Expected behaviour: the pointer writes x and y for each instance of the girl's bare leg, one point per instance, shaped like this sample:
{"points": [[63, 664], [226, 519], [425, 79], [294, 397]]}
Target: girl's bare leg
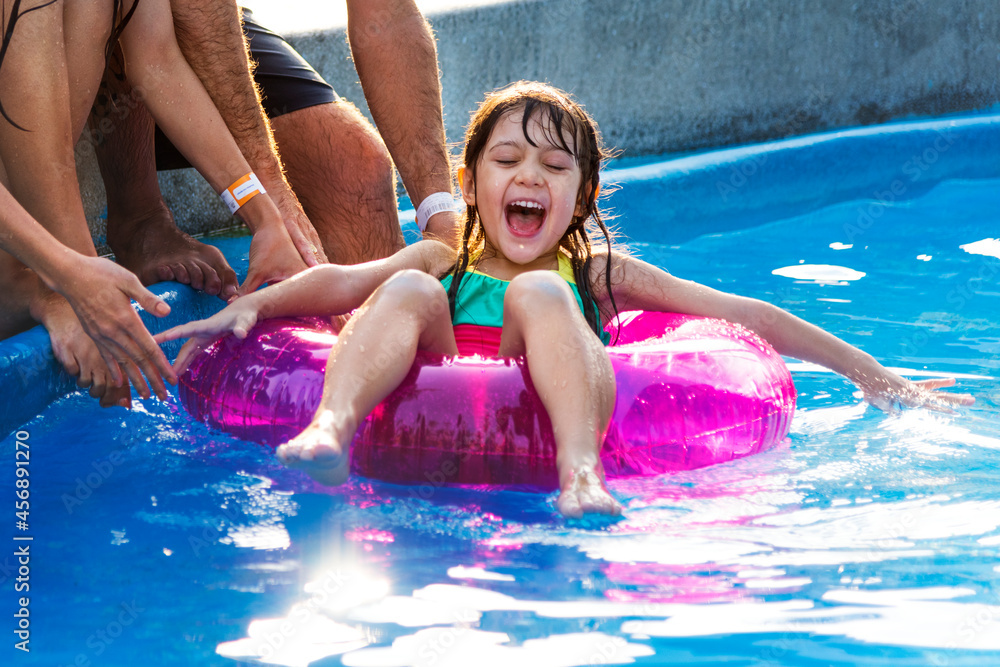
{"points": [[574, 379], [373, 354]]}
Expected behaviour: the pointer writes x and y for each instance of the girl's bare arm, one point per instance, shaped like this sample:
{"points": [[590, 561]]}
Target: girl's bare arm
{"points": [[333, 289], [325, 290], [638, 285]]}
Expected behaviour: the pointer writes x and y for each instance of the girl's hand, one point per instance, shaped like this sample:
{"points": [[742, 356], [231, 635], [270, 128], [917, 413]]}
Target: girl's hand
{"points": [[236, 318], [893, 392]]}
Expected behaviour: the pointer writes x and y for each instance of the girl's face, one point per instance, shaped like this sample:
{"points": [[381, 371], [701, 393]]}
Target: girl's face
{"points": [[526, 195]]}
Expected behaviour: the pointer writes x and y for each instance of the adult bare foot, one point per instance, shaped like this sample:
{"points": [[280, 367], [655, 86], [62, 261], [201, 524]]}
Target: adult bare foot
{"points": [[78, 354], [582, 490], [322, 450], [153, 248]]}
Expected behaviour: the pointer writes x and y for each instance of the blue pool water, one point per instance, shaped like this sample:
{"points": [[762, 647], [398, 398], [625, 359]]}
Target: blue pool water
{"points": [[867, 539]]}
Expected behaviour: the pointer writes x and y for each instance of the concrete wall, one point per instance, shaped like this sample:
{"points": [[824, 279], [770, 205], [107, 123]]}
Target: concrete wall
{"points": [[683, 75]]}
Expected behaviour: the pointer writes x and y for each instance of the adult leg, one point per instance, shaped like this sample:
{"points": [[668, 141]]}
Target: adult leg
{"points": [[141, 229], [87, 26], [334, 159], [574, 379], [342, 174], [372, 355], [35, 86], [37, 90], [19, 286]]}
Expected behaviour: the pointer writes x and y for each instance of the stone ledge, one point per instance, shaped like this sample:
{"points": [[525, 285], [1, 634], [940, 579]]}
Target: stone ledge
{"points": [[668, 76]]}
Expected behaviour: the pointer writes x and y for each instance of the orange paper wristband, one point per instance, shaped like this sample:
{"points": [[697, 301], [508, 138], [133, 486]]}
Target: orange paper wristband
{"points": [[242, 191]]}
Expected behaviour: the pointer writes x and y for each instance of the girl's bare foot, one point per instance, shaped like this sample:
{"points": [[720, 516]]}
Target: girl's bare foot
{"points": [[322, 450], [582, 490]]}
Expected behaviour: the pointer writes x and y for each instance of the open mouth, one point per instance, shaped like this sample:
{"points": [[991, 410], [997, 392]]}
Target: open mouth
{"points": [[525, 218]]}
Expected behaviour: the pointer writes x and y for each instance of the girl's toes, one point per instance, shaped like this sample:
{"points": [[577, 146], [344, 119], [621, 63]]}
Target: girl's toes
{"points": [[288, 453], [569, 506]]}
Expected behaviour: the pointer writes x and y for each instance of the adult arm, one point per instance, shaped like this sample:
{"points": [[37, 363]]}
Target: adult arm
{"points": [[396, 59], [639, 285], [186, 114], [210, 36], [99, 292]]}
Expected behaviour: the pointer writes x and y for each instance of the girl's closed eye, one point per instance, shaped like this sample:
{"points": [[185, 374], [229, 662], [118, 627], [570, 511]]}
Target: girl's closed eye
{"points": [[558, 160], [505, 156]]}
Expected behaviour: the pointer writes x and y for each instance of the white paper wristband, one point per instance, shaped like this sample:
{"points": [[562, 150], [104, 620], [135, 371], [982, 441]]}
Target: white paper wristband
{"points": [[433, 204]]}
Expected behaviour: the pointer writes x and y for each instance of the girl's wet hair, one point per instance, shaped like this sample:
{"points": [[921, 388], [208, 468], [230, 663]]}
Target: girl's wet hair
{"points": [[565, 125], [119, 19]]}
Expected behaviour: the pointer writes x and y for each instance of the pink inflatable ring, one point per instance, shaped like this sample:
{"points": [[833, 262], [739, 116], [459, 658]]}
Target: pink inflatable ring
{"points": [[691, 392]]}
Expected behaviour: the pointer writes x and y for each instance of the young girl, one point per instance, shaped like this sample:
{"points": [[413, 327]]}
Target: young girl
{"points": [[526, 281]]}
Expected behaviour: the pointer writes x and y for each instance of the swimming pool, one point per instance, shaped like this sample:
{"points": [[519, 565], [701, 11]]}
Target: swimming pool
{"points": [[867, 539]]}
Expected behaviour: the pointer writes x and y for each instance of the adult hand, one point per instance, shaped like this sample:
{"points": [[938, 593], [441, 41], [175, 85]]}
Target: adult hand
{"points": [[78, 353], [99, 292], [300, 229], [272, 259]]}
